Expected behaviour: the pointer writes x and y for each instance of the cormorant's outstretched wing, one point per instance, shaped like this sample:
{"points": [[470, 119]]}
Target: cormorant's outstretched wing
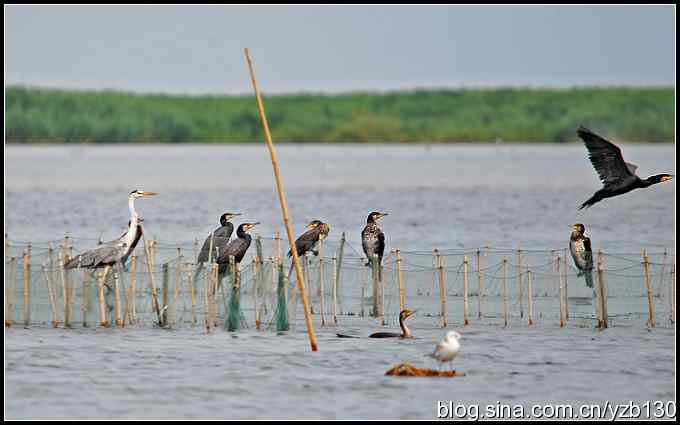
{"points": [[306, 241], [606, 157]]}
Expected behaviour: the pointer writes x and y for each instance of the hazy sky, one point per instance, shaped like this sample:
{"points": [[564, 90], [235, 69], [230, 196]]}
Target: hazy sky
{"points": [[199, 49]]}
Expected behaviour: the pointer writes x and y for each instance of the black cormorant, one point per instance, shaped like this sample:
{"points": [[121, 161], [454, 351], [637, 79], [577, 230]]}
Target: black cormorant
{"points": [[373, 238], [405, 331], [618, 176], [118, 250], [582, 252], [220, 239], [317, 231], [236, 247]]}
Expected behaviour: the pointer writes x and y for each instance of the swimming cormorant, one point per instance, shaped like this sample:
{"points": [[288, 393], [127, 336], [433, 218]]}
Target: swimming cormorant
{"points": [[118, 250], [220, 239], [618, 176], [582, 252], [373, 238], [405, 331]]}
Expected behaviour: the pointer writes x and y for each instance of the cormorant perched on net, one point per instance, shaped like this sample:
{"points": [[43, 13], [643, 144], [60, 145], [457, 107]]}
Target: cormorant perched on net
{"points": [[308, 241], [373, 239], [236, 248], [582, 252], [118, 250], [618, 176], [220, 239]]}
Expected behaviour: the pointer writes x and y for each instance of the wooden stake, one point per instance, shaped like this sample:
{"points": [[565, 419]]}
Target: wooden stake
{"points": [[9, 292], [673, 291], [561, 292], [335, 291], [466, 306], [322, 295], [530, 296], [27, 287], [102, 303], [150, 268], [566, 286], [376, 286], [192, 293], [480, 293], [442, 291], [51, 298], [400, 280], [118, 311], [133, 289], [284, 207], [650, 293], [341, 252], [85, 305], [600, 293], [519, 283], [505, 292]]}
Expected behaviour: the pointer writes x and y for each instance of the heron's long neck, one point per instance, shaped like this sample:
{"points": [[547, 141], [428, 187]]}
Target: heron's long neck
{"points": [[134, 221]]}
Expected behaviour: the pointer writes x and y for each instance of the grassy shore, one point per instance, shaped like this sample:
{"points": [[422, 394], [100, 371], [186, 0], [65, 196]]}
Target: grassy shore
{"points": [[36, 115]]}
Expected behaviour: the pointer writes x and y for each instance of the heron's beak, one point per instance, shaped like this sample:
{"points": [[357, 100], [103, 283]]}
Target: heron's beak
{"points": [[666, 178], [148, 194]]}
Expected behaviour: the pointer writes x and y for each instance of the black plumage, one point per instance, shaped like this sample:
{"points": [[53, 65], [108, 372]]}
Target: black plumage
{"points": [[618, 176], [318, 230], [235, 248], [582, 252], [220, 238]]}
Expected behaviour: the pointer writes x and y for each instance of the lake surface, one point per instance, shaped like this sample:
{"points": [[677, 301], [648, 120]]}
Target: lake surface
{"points": [[437, 196]]}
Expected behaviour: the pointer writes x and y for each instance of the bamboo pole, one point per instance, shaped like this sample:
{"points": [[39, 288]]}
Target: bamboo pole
{"points": [[164, 293], [364, 279], [150, 268], [335, 291], [254, 266], [305, 269], [466, 306], [341, 252], [400, 281], [479, 286], [178, 285], [561, 292], [102, 304], [505, 292], [322, 295], [442, 291], [9, 292], [27, 287], [650, 293], [566, 286], [600, 293], [519, 283], [284, 207], [192, 293], [118, 311], [65, 292], [133, 289], [673, 291], [530, 296], [50, 297], [376, 294], [85, 299]]}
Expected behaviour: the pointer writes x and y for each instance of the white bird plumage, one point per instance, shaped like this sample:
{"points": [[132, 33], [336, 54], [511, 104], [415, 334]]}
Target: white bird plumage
{"points": [[447, 349]]}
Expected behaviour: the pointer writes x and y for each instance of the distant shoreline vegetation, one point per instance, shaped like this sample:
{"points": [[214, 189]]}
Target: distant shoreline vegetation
{"points": [[633, 114]]}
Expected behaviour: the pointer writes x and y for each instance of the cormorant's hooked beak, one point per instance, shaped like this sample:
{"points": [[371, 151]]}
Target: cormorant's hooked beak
{"points": [[409, 313], [666, 178], [382, 215], [312, 225], [232, 215]]}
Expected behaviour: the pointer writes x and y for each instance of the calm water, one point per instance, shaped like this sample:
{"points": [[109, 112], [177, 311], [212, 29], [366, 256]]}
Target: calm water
{"points": [[439, 196]]}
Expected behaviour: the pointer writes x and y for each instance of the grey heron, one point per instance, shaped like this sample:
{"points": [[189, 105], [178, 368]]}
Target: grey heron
{"points": [[118, 250]]}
